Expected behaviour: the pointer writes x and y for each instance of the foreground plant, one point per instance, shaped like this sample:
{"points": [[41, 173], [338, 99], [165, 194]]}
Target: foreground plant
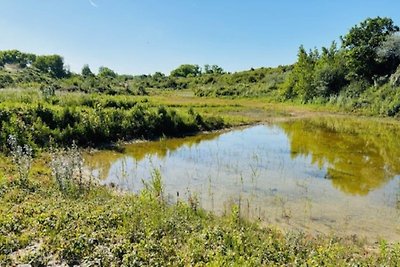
{"points": [[109, 229], [22, 157], [67, 170]]}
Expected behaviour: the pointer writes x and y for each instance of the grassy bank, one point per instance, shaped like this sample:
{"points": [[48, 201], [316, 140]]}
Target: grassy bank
{"points": [[91, 119], [40, 225]]}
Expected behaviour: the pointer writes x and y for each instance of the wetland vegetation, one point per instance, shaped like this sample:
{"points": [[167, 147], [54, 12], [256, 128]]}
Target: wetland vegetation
{"points": [[305, 184]]}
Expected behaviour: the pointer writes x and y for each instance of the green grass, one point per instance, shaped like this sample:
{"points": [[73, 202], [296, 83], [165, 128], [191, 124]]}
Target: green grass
{"points": [[101, 226], [92, 119], [39, 225]]}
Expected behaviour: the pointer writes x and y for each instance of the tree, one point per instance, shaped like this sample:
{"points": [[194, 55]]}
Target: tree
{"points": [[214, 69], [86, 72], [361, 44], [158, 76], [186, 70], [388, 53], [53, 64], [330, 72], [300, 81], [16, 57], [105, 72]]}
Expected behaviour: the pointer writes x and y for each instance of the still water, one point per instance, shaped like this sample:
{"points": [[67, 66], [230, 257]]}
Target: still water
{"points": [[322, 175]]}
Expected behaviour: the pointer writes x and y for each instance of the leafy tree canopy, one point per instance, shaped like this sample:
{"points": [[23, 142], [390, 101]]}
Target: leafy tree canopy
{"points": [[214, 69], [186, 70], [361, 44], [53, 64], [16, 57], [86, 71], [389, 53], [105, 72]]}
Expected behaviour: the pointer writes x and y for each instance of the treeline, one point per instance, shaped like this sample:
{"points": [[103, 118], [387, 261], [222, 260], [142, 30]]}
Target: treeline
{"points": [[51, 64], [360, 74], [369, 55], [48, 73]]}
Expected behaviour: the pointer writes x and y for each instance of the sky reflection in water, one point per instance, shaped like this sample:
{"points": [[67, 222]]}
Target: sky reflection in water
{"points": [[319, 175]]}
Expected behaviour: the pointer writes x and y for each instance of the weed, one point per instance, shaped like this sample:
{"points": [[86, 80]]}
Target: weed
{"points": [[67, 170], [193, 201], [155, 186], [22, 158]]}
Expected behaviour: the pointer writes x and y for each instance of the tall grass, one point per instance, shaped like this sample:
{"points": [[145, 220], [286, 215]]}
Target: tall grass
{"points": [[155, 186]]}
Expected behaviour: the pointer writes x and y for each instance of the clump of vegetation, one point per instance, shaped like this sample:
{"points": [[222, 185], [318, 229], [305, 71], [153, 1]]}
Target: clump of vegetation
{"points": [[155, 186], [22, 158], [360, 75], [93, 121], [67, 170]]}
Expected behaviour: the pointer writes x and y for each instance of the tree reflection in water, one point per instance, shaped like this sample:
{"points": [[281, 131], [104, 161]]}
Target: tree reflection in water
{"points": [[361, 154]]}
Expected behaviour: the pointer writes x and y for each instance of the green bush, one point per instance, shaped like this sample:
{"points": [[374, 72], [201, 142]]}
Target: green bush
{"points": [[98, 121]]}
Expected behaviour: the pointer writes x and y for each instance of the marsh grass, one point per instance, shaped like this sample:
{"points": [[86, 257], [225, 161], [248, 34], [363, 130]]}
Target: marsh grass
{"points": [[155, 186]]}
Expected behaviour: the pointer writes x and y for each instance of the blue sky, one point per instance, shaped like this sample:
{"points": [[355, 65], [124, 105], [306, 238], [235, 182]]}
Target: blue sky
{"points": [[141, 37]]}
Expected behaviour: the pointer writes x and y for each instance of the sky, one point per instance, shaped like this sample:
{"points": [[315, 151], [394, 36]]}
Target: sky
{"points": [[142, 37]]}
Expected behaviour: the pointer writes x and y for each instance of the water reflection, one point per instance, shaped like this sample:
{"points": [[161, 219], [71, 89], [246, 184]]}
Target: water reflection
{"points": [[103, 160], [322, 175], [361, 155]]}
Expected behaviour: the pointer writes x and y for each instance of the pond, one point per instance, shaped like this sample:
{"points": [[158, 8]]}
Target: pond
{"points": [[331, 175]]}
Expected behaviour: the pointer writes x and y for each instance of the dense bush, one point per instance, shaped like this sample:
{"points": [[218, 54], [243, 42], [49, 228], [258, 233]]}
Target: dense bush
{"points": [[95, 123], [16, 57], [186, 70], [5, 80], [361, 45], [360, 76], [252, 83]]}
